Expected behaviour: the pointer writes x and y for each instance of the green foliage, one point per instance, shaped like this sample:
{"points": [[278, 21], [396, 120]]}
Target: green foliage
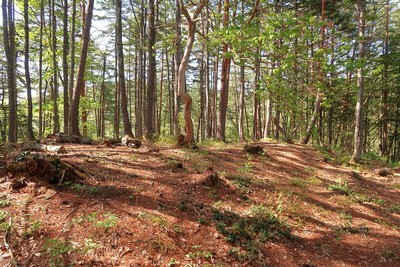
{"points": [[5, 203], [55, 249], [341, 188], [4, 226], [33, 228], [243, 183], [250, 231], [199, 254], [104, 221]]}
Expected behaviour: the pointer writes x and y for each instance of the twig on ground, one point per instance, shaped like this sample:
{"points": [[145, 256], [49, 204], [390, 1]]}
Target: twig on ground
{"points": [[7, 245]]}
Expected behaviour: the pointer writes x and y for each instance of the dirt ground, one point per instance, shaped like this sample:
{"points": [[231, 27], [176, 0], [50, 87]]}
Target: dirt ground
{"points": [[157, 206]]}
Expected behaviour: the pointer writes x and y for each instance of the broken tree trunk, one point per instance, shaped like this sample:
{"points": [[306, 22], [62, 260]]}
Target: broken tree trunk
{"points": [[74, 139]]}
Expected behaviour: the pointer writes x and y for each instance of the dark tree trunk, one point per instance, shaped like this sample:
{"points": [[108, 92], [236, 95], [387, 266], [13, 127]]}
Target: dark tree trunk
{"points": [[226, 63], [65, 65], [56, 121], [152, 73]]}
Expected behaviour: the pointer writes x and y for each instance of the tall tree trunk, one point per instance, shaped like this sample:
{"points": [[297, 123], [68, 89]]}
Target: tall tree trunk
{"points": [[358, 130], [72, 53], [56, 121], [31, 136], [40, 89], [83, 91], [185, 97], [152, 73], [241, 104], [121, 72], [384, 131], [80, 82], [9, 49], [178, 59], [226, 62], [65, 65]]}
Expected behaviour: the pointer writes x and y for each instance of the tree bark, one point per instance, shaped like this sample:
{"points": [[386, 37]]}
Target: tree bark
{"points": [[80, 82], [9, 49]]}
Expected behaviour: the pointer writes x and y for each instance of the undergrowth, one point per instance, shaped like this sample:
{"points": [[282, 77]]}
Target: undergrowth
{"points": [[250, 231]]}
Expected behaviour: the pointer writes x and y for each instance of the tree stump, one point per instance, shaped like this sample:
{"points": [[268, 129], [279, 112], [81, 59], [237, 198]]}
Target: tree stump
{"points": [[252, 149], [210, 178]]}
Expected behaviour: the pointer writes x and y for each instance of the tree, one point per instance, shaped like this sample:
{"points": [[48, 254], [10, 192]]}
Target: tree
{"points": [[185, 97], [9, 50], [65, 65], [226, 63], [80, 82], [121, 72], [29, 125], [152, 73], [358, 129]]}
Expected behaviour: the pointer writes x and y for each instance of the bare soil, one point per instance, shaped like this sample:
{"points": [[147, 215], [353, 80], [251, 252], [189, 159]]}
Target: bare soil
{"points": [[153, 206]]}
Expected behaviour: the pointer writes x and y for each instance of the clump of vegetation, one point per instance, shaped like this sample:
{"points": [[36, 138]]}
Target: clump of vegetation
{"points": [[252, 230], [243, 183], [56, 249], [4, 202], [104, 221], [198, 255], [4, 226], [33, 228], [341, 188]]}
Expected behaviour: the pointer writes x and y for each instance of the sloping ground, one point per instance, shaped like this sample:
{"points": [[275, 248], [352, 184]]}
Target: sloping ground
{"points": [[154, 206]]}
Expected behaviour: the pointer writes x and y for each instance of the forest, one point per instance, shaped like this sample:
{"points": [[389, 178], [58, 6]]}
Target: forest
{"points": [[306, 71], [200, 133]]}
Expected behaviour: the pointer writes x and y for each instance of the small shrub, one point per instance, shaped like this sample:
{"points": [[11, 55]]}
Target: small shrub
{"points": [[341, 188], [5, 203], [56, 248], [252, 230]]}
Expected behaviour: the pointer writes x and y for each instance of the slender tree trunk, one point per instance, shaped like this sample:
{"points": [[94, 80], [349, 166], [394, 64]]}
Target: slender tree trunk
{"points": [[185, 97], [241, 104], [385, 93], [121, 72], [56, 121], [358, 130], [42, 23], [83, 91], [152, 73], [226, 62], [80, 82], [65, 65], [9, 49], [72, 53], [178, 59], [31, 136]]}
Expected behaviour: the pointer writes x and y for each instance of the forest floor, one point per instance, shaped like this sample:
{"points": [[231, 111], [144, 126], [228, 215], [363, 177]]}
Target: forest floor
{"points": [[292, 205]]}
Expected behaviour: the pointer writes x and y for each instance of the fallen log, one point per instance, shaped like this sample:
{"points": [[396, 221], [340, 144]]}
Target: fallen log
{"points": [[33, 146], [74, 139]]}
